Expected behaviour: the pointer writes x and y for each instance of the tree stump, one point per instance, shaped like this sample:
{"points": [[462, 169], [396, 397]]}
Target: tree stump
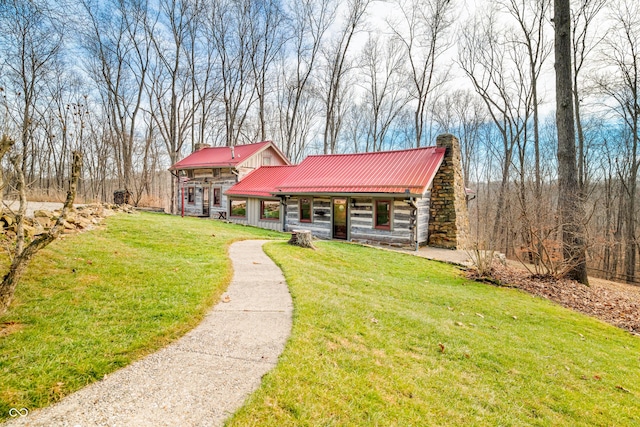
{"points": [[302, 238]]}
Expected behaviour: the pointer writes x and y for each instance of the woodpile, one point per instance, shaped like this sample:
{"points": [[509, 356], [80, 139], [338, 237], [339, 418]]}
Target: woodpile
{"points": [[84, 217], [302, 238]]}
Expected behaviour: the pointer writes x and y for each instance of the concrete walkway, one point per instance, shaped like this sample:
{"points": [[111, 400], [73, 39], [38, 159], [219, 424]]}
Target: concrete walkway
{"points": [[203, 378], [460, 257]]}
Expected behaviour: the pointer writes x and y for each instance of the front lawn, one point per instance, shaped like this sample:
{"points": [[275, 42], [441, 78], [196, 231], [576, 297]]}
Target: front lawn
{"points": [[94, 302], [389, 339]]}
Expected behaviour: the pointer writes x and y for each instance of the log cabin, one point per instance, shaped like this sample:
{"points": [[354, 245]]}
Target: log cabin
{"points": [[206, 174], [402, 198]]}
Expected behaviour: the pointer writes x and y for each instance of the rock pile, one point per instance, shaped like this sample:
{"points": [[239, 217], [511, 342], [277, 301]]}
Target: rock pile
{"points": [[82, 217]]}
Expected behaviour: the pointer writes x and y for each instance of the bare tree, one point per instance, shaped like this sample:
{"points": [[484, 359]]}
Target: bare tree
{"points": [[621, 84], [267, 40], [464, 114], [570, 203], [530, 17], [23, 252], [30, 43], [384, 96], [118, 49], [229, 29], [583, 44], [201, 59], [297, 109], [171, 86], [495, 69], [337, 66], [423, 31]]}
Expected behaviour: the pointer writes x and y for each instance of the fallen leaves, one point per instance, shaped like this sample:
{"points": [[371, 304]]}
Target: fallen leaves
{"points": [[8, 328], [619, 387]]}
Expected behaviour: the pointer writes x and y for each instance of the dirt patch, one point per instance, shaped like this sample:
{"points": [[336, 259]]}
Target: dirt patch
{"points": [[614, 303], [8, 328]]}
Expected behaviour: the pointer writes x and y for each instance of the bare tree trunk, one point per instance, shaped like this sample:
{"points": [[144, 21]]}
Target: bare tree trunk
{"points": [[24, 254], [569, 202], [6, 144]]}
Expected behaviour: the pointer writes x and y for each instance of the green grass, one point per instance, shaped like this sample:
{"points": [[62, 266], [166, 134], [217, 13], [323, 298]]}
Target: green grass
{"points": [[388, 339], [91, 303], [379, 338]]}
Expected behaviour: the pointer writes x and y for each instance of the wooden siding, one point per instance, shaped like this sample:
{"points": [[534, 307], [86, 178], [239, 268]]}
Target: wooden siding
{"points": [[423, 218], [361, 222], [191, 209], [320, 224], [257, 160], [253, 216], [225, 180]]}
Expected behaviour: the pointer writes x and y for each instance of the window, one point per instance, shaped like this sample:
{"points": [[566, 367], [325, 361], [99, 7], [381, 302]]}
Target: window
{"points": [[382, 214], [270, 209], [306, 207], [191, 198], [266, 161], [217, 199], [239, 208]]}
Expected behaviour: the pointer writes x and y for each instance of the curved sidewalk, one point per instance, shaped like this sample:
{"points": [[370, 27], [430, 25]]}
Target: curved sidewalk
{"points": [[205, 376]]}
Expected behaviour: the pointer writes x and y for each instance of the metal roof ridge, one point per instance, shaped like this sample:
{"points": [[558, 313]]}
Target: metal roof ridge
{"points": [[352, 186], [372, 152], [229, 146]]}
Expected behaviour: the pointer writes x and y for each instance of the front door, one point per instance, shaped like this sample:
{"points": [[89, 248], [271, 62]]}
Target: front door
{"points": [[340, 219], [205, 200]]}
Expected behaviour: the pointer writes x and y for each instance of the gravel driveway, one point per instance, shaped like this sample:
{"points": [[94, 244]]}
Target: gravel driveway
{"points": [[35, 206]]}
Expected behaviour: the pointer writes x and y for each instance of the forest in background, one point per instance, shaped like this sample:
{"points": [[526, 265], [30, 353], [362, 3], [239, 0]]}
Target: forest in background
{"points": [[135, 85]]}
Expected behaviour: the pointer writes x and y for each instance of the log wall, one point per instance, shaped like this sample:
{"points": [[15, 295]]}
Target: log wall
{"points": [[361, 222], [224, 181], [320, 225]]}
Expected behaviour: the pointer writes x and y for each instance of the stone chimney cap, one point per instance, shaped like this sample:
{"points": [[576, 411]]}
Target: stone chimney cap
{"points": [[199, 146]]}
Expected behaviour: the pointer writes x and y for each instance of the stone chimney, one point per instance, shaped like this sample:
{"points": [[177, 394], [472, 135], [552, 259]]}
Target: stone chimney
{"points": [[199, 146], [448, 215]]}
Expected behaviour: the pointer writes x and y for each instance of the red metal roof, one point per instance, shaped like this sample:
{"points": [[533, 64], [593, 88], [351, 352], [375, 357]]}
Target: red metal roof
{"points": [[380, 172], [220, 156], [262, 182]]}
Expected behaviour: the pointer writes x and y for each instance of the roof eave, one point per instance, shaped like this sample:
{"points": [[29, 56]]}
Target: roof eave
{"points": [[260, 195], [347, 194], [204, 166]]}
